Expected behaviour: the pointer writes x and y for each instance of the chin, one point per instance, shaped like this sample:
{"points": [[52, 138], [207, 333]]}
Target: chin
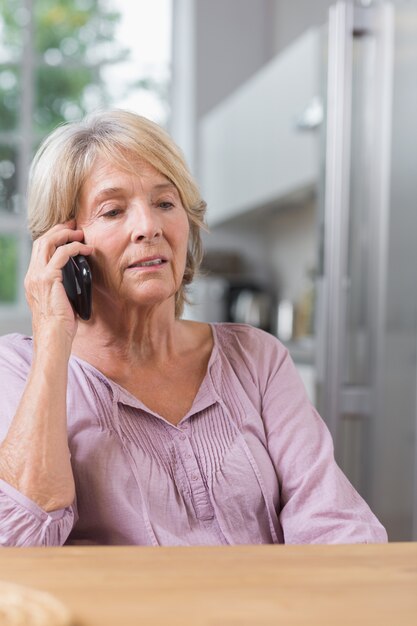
{"points": [[153, 298]]}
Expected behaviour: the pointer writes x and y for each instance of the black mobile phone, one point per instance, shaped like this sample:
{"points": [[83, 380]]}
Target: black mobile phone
{"points": [[76, 276]]}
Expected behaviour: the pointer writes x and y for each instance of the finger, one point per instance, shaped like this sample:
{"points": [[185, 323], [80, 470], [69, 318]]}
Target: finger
{"points": [[69, 224], [45, 246], [63, 253]]}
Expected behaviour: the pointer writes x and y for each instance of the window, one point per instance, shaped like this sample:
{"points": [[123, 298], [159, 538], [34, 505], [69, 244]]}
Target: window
{"points": [[60, 59]]}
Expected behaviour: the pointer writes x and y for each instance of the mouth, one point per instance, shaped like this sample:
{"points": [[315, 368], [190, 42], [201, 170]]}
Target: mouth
{"points": [[148, 262]]}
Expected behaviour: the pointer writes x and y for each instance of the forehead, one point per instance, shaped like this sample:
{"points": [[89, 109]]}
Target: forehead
{"points": [[103, 169]]}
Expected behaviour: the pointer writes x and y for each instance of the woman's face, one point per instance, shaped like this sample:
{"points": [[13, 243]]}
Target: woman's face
{"points": [[139, 230]]}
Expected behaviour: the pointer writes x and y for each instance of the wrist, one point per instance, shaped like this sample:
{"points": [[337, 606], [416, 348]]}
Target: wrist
{"points": [[50, 337]]}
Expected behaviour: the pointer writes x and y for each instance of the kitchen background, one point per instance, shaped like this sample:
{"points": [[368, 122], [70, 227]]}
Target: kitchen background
{"points": [[298, 118]]}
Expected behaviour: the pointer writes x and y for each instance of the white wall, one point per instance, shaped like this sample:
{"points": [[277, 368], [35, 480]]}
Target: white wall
{"points": [[219, 44], [293, 17], [233, 39]]}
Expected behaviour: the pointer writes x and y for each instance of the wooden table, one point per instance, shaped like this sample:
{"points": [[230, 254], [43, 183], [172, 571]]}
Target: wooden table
{"points": [[225, 586]]}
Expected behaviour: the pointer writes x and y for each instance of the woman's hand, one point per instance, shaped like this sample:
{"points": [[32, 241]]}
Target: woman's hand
{"points": [[44, 288], [34, 456]]}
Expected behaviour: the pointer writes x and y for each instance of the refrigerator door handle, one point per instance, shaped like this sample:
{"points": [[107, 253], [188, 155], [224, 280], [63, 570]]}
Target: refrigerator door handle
{"points": [[356, 400], [347, 22], [336, 224]]}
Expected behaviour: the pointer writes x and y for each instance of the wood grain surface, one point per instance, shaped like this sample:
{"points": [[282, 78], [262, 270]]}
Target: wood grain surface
{"points": [[225, 586]]}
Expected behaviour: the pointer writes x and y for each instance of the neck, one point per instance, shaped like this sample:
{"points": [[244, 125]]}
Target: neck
{"points": [[128, 338]]}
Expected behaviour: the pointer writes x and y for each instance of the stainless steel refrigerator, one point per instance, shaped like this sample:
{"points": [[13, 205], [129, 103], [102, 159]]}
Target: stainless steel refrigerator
{"points": [[366, 303], [351, 157]]}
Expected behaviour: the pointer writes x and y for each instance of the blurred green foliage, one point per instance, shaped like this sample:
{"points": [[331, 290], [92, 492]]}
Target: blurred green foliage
{"points": [[71, 40], [8, 166], [8, 268], [61, 77]]}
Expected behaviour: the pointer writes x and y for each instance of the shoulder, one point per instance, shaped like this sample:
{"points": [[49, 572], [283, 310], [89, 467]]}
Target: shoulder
{"points": [[248, 348], [16, 351], [246, 339]]}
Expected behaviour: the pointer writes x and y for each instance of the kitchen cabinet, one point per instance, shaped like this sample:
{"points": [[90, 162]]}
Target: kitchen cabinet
{"points": [[255, 147]]}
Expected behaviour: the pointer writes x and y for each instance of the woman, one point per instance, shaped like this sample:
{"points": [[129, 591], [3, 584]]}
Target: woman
{"points": [[138, 427]]}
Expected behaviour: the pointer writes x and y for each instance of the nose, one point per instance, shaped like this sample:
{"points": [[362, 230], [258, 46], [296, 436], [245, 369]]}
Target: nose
{"points": [[146, 224]]}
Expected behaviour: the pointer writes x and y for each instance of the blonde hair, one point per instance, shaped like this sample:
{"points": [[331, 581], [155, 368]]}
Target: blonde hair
{"points": [[65, 159]]}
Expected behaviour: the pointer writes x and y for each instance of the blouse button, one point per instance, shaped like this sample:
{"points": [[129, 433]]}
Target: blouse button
{"points": [[194, 477], [183, 437]]}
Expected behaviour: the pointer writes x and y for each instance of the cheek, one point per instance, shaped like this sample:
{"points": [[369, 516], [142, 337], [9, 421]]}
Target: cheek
{"points": [[183, 234], [105, 266], [99, 268], [182, 248], [107, 247]]}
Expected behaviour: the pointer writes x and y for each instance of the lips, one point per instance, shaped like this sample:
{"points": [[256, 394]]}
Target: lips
{"points": [[153, 261]]}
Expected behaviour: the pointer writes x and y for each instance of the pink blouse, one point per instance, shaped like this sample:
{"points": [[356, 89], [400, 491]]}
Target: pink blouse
{"points": [[251, 462]]}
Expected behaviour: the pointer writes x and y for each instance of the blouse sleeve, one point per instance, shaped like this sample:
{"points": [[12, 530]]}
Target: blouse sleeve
{"points": [[24, 524], [22, 521], [319, 505]]}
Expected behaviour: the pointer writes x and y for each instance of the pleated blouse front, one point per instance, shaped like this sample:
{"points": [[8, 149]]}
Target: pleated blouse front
{"points": [[251, 462]]}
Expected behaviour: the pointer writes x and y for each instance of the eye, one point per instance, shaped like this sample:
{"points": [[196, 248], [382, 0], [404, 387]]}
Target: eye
{"points": [[165, 205], [111, 213]]}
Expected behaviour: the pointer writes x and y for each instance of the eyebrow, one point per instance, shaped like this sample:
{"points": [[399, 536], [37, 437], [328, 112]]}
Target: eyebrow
{"points": [[109, 192], [162, 186]]}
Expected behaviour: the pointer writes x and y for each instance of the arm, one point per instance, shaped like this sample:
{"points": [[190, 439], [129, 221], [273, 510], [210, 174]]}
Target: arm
{"points": [[22, 521], [25, 524], [319, 505], [34, 455]]}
